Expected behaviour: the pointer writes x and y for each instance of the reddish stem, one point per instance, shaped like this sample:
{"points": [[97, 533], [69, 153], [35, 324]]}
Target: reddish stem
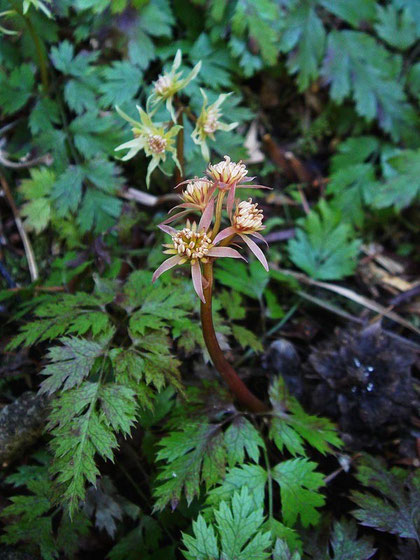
{"points": [[235, 384]]}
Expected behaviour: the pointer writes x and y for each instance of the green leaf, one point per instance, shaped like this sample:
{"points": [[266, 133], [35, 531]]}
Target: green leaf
{"points": [[346, 545], [121, 83], [397, 28], [246, 338], [98, 211], [304, 35], [396, 509], [403, 187], [16, 88], [236, 535], [299, 485], [357, 65], [355, 12], [250, 280], [67, 191], [69, 364], [241, 436], [324, 248], [44, 115], [156, 18]]}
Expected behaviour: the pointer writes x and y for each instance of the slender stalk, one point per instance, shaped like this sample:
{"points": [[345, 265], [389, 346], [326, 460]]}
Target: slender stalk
{"points": [[179, 175], [42, 61], [270, 483], [218, 213], [235, 384]]}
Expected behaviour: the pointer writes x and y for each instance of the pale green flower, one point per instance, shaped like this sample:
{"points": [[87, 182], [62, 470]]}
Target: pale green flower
{"points": [[208, 123], [169, 83], [152, 138]]}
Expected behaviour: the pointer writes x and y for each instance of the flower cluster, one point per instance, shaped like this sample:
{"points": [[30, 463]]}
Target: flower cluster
{"points": [[198, 244], [152, 138]]}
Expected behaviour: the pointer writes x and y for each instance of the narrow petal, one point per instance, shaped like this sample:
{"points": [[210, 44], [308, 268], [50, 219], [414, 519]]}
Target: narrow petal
{"points": [[150, 168], [230, 200], [173, 218], [256, 250], [223, 234], [177, 60], [197, 280], [225, 252], [259, 236], [207, 216], [166, 265], [253, 187], [167, 229], [126, 117], [136, 143]]}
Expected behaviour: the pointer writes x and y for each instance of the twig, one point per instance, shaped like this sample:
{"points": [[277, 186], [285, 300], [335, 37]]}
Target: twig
{"points": [[33, 269], [47, 159]]}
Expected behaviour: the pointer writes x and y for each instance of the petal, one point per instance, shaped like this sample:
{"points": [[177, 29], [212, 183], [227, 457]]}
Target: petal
{"points": [[225, 252], [230, 200], [197, 280], [177, 60], [207, 216], [173, 218], [166, 265], [151, 167], [167, 229], [253, 187], [126, 117], [256, 250], [223, 234], [136, 143], [259, 236]]}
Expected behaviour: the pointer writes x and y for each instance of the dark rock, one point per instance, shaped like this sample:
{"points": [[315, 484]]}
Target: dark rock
{"points": [[21, 424], [283, 359]]}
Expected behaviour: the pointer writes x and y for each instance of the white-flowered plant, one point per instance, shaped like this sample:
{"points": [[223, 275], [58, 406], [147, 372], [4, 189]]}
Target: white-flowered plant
{"points": [[170, 83], [209, 122]]}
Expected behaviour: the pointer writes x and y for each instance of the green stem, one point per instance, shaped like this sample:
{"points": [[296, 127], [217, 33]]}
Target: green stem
{"points": [[218, 213], [270, 483], [42, 61], [235, 384]]}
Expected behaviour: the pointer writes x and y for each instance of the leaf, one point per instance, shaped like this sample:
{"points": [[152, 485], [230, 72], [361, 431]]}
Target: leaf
{"points": [[357, 65], [403, 187], [69, 364], [291, 426], [397, 28], [199, 454], [121, 83], [37, 190], [324, 247], [355, 12], [250, 280], [396, 509], [299, 485], [304, 35], [236, 535], [67, 191], [16, 88], [247, 338], [345, 544], [98, 211], [44, 115]]}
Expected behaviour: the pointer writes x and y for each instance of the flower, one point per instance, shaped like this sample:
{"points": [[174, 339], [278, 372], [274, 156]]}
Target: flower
{"points": [[192, 244], [208, 123], [152, 138], [229, 176], [169, 83], [246, 220], [196, 196]]}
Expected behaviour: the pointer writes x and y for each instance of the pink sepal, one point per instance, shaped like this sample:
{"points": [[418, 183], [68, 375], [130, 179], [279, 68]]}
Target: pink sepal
{"points": [[223, 234], [167, 229], [225, 252], [197, 280], [207, 216], [166, 265], [260, 237], [256, 250]]}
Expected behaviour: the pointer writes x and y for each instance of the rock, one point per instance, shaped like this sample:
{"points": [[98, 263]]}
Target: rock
{"points": [[21, 424]]}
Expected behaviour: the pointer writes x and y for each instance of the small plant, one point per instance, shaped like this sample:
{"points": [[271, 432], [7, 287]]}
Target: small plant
{"points": [[201, 244]]}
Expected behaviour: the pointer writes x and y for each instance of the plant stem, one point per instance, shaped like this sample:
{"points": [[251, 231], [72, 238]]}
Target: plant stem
{"points": [[42, 61], [270, 483], [235, 384], [218, 213], [179, 175]]}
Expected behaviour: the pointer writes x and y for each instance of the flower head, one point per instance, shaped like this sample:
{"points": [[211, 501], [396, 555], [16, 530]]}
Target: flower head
{"points": [[192, 244], [169, 83], [228, 173], [209, 122], [152, 138], [247, 217], [198, 192]]}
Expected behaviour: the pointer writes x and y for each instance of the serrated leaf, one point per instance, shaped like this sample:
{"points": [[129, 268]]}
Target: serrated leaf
{"points": [[346, 545], [396, 509], [403, 187], [299, 485], [355, 12], [16, 88], [324, 248], [121, 83], [397, 28], [236, 534]]}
